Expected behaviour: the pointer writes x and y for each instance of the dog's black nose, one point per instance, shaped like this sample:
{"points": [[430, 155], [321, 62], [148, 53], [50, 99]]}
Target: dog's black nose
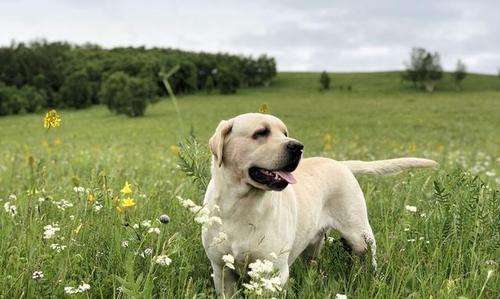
{"points": [[294, 146]]}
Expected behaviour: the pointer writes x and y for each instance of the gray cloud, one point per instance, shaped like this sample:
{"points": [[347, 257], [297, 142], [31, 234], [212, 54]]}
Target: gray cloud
{"points": [[302, 35]]}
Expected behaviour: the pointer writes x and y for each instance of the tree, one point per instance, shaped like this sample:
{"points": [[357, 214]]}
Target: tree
{"points": [[459, 74], [76, 91], [324, 81], [127, 95], [424, 69], [228, 80], [209, 84]]}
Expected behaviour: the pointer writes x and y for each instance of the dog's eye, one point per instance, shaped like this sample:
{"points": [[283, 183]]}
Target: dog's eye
{"points": [[286, 134], [261, 133]]}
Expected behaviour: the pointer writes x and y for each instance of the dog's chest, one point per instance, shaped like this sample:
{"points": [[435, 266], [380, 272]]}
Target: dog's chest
{"points": [[248, 237]]}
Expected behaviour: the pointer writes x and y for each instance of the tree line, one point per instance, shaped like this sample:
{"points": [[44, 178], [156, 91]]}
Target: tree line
{"points": [[43, 74], [423, 71]]}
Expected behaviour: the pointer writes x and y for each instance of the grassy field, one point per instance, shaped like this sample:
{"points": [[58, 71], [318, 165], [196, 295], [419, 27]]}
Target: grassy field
{"points": [[449, 247]]}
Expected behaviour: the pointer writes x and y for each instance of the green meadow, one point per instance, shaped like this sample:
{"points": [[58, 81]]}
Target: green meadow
{"points": [[59, 189]]}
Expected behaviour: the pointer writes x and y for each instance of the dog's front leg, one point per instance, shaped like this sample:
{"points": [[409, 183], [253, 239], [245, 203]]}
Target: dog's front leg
{"points": [[225, 281]]}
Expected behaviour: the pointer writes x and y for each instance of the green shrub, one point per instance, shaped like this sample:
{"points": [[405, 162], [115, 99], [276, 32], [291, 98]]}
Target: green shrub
{"points": [[124, 94], [34, 99], [76, 91], [324, 81], [14, 100], [228, 80]]}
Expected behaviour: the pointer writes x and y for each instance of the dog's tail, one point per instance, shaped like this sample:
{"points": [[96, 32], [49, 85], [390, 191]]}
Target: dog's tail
{"points": [[391, 166]]}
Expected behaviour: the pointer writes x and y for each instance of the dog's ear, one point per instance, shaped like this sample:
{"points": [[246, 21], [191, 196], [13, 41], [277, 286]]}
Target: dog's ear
{"points": [[216, 142]]}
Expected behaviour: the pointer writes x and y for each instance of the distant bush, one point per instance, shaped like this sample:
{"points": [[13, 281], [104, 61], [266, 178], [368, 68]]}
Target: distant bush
{"points": [[324, 81], [228, 80], [127, 95], [424, 69], [459, 74], [76, 91], [17, 100]]}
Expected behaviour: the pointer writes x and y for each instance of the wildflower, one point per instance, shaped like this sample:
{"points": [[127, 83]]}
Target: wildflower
{"points": [[272, 284], [72, 217], [174, 149], [412, 209], [125, 244], [126, 189], [50, 231], [12, 209], [83, 287], [330, 239], [70, 290], [91, 197], [148, 251], [12, 197], [97, 206], [340, 296], [80, 289], [57, 247], [264, 108], [411, 240], [146, 223], [164, 219], [63, 204], [260, 267], [163, 260], [228, 259], [135, 226], [127, 203], [51, 120], [37, 275], [154, 230], [78, 189]]}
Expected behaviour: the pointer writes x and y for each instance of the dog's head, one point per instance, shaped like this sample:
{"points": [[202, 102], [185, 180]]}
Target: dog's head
{"points": [[257, 150]]}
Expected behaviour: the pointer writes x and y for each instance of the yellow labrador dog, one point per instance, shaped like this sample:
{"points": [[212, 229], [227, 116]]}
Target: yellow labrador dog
{"points": [[272, 201]]}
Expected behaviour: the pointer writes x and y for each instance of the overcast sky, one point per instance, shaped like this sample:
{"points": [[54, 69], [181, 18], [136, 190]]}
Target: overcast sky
{"points": [[302, 35]]}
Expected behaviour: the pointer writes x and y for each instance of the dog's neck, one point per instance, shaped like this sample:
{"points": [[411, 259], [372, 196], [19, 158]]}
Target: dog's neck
{"points": [[232, 191]]}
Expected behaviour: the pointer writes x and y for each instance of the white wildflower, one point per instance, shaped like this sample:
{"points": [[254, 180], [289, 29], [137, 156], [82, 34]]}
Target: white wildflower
{"points": [[12, 197], [125, 244], [340, 296], [83, 287], [412, 209], [37, 275], [97, 206], [163, 260], [12, 209], [70, 290], [228, 259], [146, 223], [57, 247], [63, 204], [135, 226], [273, 284], [153, 230], [411, 240], [50, 231], [260, 267], [79, 189], [72, 217], [148, 251]]}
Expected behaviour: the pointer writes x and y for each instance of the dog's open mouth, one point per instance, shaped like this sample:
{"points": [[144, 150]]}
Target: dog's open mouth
{"points": [[276, 179]]}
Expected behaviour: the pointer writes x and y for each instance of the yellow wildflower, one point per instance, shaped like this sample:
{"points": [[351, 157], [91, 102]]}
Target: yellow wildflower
{"points": [[91, 197], [174, 149], [120, 209], [264, 108], [126, 189], [127, 203], [57, 142], [51, 120], [77, 229], [328, 138]]}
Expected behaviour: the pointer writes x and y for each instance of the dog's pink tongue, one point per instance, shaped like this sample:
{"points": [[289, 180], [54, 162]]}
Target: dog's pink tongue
{"points": [[287, 176]]}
